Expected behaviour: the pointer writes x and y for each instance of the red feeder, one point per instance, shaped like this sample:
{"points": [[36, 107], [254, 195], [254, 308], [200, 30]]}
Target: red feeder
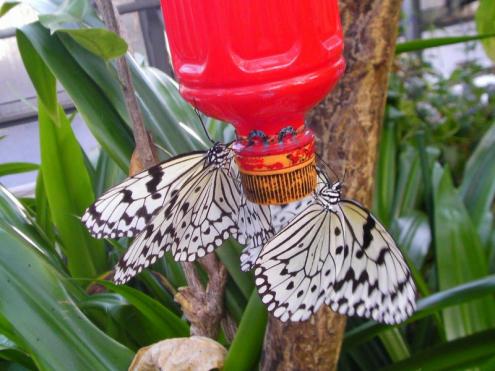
{"points": [[261, 65]]}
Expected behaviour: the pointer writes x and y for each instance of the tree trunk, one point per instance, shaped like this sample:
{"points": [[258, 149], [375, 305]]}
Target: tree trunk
{"points": [[347, 126]]}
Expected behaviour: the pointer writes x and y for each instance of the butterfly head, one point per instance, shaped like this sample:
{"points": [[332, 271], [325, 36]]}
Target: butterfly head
{"points": [[329, 194], [218, 154]]}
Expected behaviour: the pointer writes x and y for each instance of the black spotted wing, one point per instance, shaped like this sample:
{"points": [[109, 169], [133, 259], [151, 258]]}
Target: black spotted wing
{"points": [[297, 268], [280, 216], [207, 209], [342, 257], [374, 280], [126, 209]]}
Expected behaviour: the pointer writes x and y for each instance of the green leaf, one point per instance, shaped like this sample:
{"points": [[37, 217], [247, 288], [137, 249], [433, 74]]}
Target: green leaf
{"points": [[102, 74], [478, 182], [386, 173], [459, 257], [65, 178], [15, 219], [427, 306], [52, 329], [107, 174], [6, 6], [395, 344], [99, 41], [165, 323], [69, 192], [488, 365], [230, 258], [420, 44], [469, 350], [246, 347], [414, 236], [10, 168], [172, 121], [485, 23], [99, 114], [69, 12], [410, 185], [43, 217]]}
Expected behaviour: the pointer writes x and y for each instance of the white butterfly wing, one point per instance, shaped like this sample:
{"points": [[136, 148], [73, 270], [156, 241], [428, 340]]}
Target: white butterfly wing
{"points": [[255, 229], [197, 219], [249, 255], [209, 220], [374, 280], [126, 209], [297, 267], [279, 216], [283, 214]]}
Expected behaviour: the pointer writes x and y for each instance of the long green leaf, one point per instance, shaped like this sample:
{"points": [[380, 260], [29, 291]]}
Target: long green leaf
{"points": [[470, 350], [100, 116], [230, 258], [107, 174], [246, 347], [414, 236], [99, 41], [395, 344], [166, 324], [460, 258], [43, 217], [175, 125], [415, 45], [171, 121], [65, 178], [478, 184], [102, 74], [69, 12], [16, 219], [7, 5], [386, 172], [53, 330], [10, 168], [485, 23]]}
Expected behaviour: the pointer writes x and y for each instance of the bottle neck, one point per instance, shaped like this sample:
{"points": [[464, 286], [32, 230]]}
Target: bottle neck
{"points": [[277, 169]]}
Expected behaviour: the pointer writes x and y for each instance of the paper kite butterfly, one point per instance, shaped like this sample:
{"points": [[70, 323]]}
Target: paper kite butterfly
{"points": [[332, 252], [188, 205]]}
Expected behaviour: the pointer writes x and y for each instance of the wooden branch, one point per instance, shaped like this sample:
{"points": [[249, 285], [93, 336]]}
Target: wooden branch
{"points": [[347, 125], [144, 155], [203, 307]]}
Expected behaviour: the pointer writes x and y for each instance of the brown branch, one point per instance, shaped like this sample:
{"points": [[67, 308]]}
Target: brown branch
{"points": [[347, 124], [203, 307], [144, 155]]}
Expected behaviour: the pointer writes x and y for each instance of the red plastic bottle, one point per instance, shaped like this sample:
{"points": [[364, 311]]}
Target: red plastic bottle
{"points": [[260, 65]]}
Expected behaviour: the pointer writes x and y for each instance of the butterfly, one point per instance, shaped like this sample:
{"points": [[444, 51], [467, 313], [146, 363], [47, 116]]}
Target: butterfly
{"points": [[188, 205], [334, 252], [280, 215]]}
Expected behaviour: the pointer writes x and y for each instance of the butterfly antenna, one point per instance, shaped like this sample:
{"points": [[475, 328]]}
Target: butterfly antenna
{"points": [[203, 124], [327, 166]]}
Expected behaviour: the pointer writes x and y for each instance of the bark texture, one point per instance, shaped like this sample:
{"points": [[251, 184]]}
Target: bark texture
{"points": [[347, 126]]}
